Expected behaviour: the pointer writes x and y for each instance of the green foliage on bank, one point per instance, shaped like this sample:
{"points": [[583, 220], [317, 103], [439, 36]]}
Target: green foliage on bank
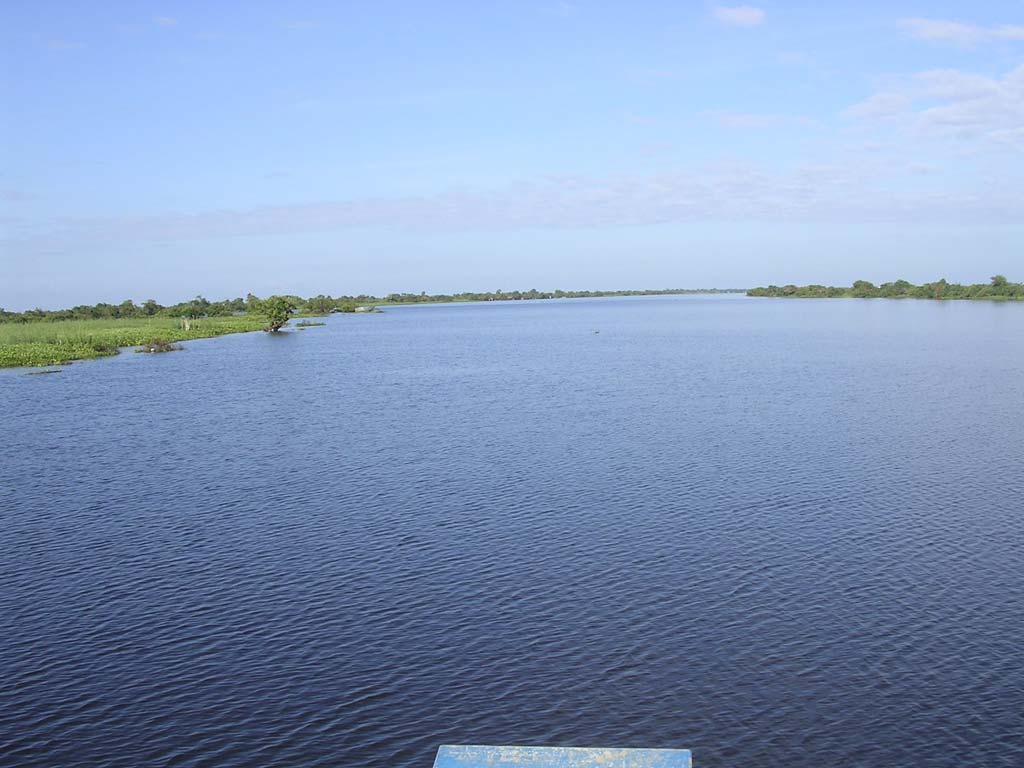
{"points": [[61, 341], [200, 307], [997, 289], [40, 337], [533, 294], [277, 310]]}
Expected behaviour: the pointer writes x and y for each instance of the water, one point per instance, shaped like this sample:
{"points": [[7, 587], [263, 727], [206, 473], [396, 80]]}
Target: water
{"points": [[775, 532]]}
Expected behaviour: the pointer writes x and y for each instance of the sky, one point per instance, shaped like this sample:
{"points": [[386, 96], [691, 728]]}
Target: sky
{"points": [[160, 150]]}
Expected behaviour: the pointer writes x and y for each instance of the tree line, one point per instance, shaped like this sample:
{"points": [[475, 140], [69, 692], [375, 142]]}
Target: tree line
{"points": [[998, 288], [533, 293], [313, 305]]}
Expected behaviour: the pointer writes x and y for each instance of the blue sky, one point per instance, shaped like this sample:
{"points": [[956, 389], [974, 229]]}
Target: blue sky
{"points": [[160, 150]]}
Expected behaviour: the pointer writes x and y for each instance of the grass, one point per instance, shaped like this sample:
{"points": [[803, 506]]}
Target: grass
{"points": [[53, 343], [155, 346]]}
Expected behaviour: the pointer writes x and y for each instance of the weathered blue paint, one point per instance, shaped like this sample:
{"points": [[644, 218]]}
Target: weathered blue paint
{"points": [[559, 757]]}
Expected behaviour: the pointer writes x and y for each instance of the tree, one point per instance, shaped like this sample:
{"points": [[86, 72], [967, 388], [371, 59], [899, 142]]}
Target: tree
{"points": [[999, 281], [197, 307], [898, 288], [863, 289], [277, 309], [320, 305]]}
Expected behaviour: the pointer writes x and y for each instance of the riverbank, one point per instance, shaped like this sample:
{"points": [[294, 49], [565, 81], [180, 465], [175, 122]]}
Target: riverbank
{"points": [[406, 299], [997, 289], [58, 342], [55, 337]]}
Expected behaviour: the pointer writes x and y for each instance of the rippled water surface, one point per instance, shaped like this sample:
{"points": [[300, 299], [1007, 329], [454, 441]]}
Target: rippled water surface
{"points": [[775, 532]]}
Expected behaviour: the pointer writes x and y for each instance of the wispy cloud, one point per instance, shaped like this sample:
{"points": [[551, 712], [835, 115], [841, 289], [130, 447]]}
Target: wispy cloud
{"points": [[634, 118], [754, 121], [63, 45], [848, 191], [165, 21], [1012, 138], [959, 33], [13, 195], [953, 104], [563, 9], [739, 15], [887, 105]]}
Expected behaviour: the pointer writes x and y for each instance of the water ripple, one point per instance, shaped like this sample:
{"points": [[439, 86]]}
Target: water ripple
{"points": [[767, 531]]}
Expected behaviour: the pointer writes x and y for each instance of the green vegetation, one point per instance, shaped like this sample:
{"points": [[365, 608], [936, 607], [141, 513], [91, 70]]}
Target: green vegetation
{"points": [[277, 310], [200, 307], [997, 289], [40, 337], [324, 305], [59, 341], [158, 345], [532, 294]]}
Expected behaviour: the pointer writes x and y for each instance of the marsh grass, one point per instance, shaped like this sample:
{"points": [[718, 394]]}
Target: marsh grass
{"points": [[155, 346], [53, 343]]}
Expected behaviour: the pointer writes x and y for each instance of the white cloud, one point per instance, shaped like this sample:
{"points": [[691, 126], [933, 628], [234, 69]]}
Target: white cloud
{"points": [[563, 9], [739, 15], [13, 195], [1010, 137], [63, 45], [886, 105], [850, 191], [753, 121], [165, 21], [954, 85], [952, 104], [636, 119], [958, 33]]}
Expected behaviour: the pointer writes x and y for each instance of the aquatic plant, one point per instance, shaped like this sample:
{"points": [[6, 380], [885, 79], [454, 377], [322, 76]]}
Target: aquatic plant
{"points": [[159, 345], [56, 342]]}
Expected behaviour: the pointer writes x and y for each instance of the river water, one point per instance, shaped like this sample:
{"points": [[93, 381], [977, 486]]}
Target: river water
{"points": [[776, 532]]}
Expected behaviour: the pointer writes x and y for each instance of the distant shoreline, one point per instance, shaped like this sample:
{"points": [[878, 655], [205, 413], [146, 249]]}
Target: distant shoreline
{"points": [[320, 304], [997, 289], [471, 299], [38, 338], [42, 338]]}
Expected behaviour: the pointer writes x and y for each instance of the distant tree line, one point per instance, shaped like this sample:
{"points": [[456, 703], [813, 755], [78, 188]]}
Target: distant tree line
{"points": [[533, 293], [314, 305], [998, 288], [197, 307]]}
